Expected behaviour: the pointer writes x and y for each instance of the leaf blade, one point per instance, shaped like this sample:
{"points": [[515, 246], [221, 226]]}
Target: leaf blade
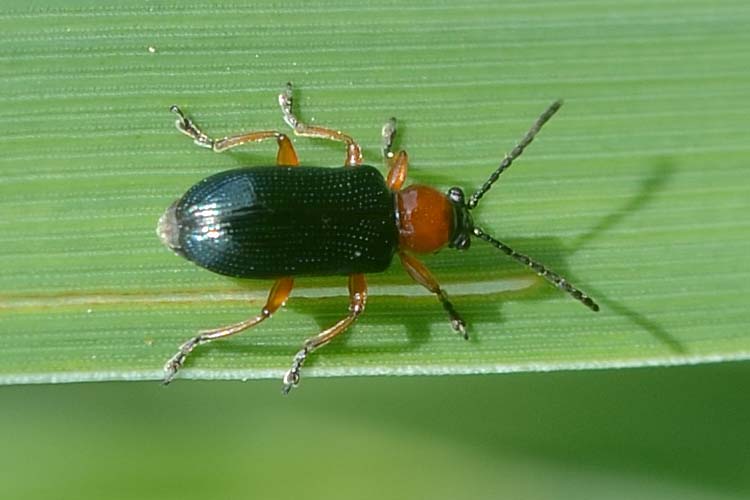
{"points": [[633, 191]]}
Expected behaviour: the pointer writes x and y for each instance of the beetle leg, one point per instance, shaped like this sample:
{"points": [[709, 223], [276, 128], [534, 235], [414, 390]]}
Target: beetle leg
{"points": [[353, 151], [398, 166], [424, 277], [388, 132], [357, 301], [397, 163], [187, 127], [286, 155], [276, 298]]}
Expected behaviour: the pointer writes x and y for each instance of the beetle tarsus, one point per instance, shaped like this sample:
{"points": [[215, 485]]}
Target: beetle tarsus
{"points": [[286, 101], [388, 132], [291, 377], [187, 127], [173, 365], [170, 370], [457, 322], [459, 326]]}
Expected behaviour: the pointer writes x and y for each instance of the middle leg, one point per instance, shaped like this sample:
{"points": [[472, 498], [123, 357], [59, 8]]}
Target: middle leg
{"points": [[353, 151], [357, 301]]}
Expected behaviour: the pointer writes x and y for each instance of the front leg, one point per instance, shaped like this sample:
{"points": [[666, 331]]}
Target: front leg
{"points": [[398, 164], [424, 277]]}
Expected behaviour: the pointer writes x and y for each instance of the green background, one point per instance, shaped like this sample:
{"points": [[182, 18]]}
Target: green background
{"points": [[642, 433], [637, 191]]}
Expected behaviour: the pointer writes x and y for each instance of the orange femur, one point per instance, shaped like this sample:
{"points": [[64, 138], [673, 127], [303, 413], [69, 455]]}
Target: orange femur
{"points": [[425, 219]]}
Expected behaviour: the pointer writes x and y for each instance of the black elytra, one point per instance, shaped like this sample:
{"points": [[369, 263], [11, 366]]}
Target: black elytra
{"points": [[270, 222]]}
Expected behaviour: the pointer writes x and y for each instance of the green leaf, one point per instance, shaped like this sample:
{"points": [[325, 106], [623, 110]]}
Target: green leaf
{"points": [[636, 191]]}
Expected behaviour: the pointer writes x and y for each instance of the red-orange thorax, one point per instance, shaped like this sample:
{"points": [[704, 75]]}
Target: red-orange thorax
{"points": [[425, 219]]}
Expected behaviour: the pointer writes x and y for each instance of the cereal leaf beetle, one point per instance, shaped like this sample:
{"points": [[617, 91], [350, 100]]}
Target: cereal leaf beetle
{"points": [[283, 221]]}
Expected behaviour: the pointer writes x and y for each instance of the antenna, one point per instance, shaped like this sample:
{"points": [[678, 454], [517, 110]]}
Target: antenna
{"points": [[540, 269], [515, 153]]}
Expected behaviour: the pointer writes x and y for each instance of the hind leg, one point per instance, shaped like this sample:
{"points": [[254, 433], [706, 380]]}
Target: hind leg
{"points": [[286, 155]]}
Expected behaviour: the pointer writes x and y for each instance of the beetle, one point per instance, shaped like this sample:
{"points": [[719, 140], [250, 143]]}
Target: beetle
{"points": [[284, 221]]}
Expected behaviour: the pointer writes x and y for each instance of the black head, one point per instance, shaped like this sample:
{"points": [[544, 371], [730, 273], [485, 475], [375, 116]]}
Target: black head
{"points": [[463, 224]]}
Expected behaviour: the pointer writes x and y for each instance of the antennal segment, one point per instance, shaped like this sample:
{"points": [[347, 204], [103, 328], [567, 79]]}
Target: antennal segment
{"points": [[515, 153], [540, 269]]}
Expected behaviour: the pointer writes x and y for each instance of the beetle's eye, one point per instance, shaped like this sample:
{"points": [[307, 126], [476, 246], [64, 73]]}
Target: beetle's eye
{"points": [[456, 195]]}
